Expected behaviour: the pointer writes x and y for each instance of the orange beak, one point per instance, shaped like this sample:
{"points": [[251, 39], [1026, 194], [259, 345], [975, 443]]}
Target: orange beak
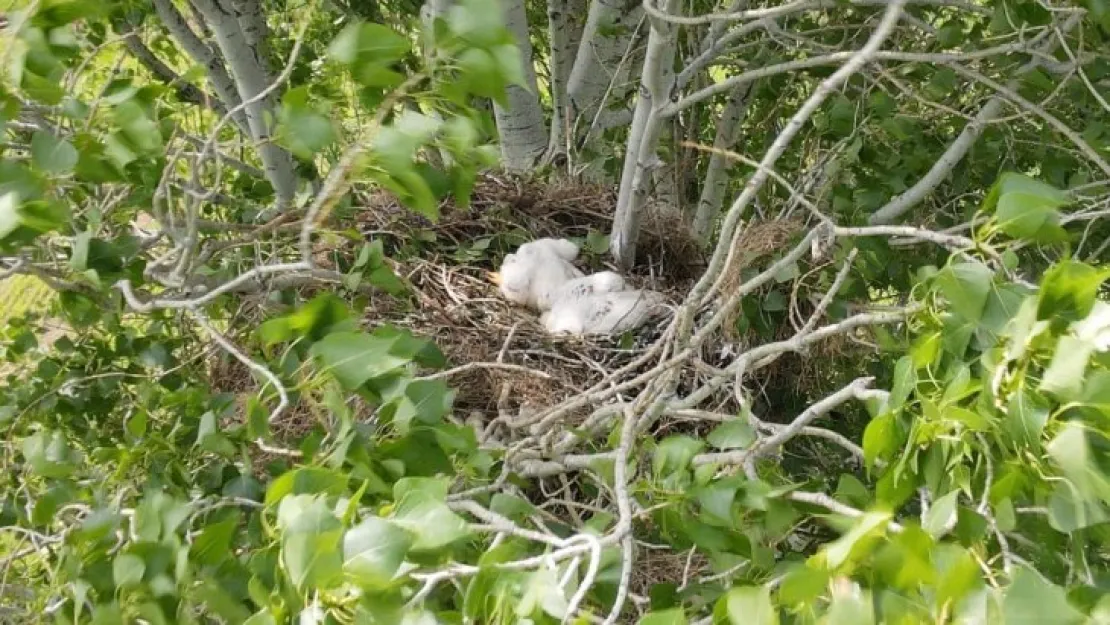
{"points": [[494, 277]]}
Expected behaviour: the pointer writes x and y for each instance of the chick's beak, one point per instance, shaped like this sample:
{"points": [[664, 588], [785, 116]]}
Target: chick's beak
{"points": [[494, 277]]}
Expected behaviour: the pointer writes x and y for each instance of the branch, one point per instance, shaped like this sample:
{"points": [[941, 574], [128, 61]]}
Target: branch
{"points": [[200, 53], [940, 170], [186, 91]]}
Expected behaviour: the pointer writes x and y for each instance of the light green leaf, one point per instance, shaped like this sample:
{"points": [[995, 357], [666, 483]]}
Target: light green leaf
{"points": [[966, 286], [865, 527], [354, 357], [1033, 601], [373, 551], [941, 515], [905, 378], [430, 521], [968, 418], [542, 591], [128, 570], [1069, 290], [49, 454], [51, 154], [880, 438], [850, 610], [425, 401], [9, 214], [674, 453], [1072, 453], [1026, 416], [368, 43], [478, 22], [310, 542], [1027, 208], [1068, 511], [1065, 374], [748, 605], [732, 434], [510, 63], [481, 74], [674, 616]]}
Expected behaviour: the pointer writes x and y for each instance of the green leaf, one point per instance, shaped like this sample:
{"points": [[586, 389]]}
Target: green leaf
{"points": [[425, 401], [310, 542], [1030, 599], [850, 610], [674, 616], [364, 43], [1069, 290], [905, 379], [1072, 453], [674, 453], [1011, 182], [966, 286], [1026, 416], [1025, 216], [306, 480], [51, 154], [747, 605], [480, 73], [732, 434], [213, 545], [1065, 374], [941, 515], [1069, 511], [354, 357], [510, 63], [542, 591], [373, 551], [128, 570], [865, 528], [880, 439], [49, 454], [477, 22], [304, 131], [9, 214], [429, 520]]}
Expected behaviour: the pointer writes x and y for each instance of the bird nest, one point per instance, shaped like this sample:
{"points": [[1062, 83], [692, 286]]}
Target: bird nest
{"points": [[510, 361]]}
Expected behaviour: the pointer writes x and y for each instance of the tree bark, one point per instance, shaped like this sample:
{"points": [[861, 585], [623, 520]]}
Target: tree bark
{"points": [[520, 125], [565, 21], [716, 175], [252, 77], [640, 158], [199, 51], [598, 56]]}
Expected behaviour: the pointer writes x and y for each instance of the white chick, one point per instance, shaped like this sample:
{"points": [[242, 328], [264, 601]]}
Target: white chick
{"points": [[600, 282], [602, 313], [531, 276]]}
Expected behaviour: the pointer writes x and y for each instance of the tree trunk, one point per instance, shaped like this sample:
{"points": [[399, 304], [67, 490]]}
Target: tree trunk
{"points": [[252, 77], [597, 59], [643, 139], [565, 21], [199, 51], [716, 176], [520, 125]]}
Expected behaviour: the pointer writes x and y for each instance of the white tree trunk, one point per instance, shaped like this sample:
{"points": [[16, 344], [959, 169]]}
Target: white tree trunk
{"points": [[566, 19], [252, 77], [520, 125], [716, 176], [199, 51], [598, 57], [640, 158]]}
